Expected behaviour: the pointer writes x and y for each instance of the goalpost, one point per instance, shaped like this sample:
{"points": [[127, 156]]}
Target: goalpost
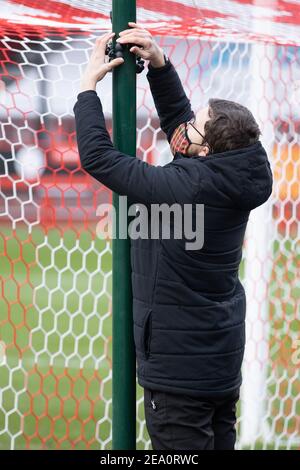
{"points": [[124, 130], [56, 347]]}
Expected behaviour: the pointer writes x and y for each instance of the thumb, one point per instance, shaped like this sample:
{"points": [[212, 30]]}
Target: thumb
{"points": [[114, 63]]}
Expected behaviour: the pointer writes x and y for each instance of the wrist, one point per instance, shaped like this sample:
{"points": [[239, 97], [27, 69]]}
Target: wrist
{"points": [[88, 83], [158, 60]]}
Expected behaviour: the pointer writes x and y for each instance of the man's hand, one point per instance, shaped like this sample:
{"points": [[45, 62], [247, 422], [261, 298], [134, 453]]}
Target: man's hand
{"points": [[97, 68], [145, 47]]}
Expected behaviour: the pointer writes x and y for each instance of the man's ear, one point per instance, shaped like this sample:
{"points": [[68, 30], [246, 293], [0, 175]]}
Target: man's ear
{"points": [[204, 150]]}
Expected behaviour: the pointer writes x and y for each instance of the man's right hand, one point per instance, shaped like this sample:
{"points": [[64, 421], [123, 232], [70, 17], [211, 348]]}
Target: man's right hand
{"points": [[145, 47]]}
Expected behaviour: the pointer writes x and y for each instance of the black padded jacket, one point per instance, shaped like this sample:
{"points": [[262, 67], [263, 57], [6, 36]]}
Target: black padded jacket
{"points": [[188, 306]]}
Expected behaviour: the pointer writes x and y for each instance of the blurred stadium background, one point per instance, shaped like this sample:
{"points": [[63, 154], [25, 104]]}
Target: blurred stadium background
{"points": [[55, 274]]}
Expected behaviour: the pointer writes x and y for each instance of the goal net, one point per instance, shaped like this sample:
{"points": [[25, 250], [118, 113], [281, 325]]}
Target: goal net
{"points": [[55, 274]]}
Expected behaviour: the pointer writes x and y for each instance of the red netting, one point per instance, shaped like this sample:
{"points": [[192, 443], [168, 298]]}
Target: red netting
{"points": [[275, 21]]}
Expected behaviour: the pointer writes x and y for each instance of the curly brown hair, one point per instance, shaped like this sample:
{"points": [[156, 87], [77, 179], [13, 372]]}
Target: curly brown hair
{"points": [[231, 126]]}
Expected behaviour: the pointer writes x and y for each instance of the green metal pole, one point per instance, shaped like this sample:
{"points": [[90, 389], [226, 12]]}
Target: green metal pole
{"points": [[124, 137]]}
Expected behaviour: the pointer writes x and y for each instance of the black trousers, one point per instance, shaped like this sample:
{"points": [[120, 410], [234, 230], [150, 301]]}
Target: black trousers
{"points": [[182, 422]]}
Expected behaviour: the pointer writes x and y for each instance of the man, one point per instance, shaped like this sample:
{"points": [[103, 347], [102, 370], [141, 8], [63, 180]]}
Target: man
{"points": [[188, 305]]}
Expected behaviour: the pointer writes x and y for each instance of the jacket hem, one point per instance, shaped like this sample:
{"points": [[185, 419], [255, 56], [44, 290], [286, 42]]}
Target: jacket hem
{"points": [[209, 393]]}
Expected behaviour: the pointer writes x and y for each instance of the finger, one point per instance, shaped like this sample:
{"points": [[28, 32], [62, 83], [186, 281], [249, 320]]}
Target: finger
{"points": [[103, 40], [105, 35], [136, 39], [137, 50], [136, 30], [144, 54], [135, 24], [114, 63], [136, 33]]}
